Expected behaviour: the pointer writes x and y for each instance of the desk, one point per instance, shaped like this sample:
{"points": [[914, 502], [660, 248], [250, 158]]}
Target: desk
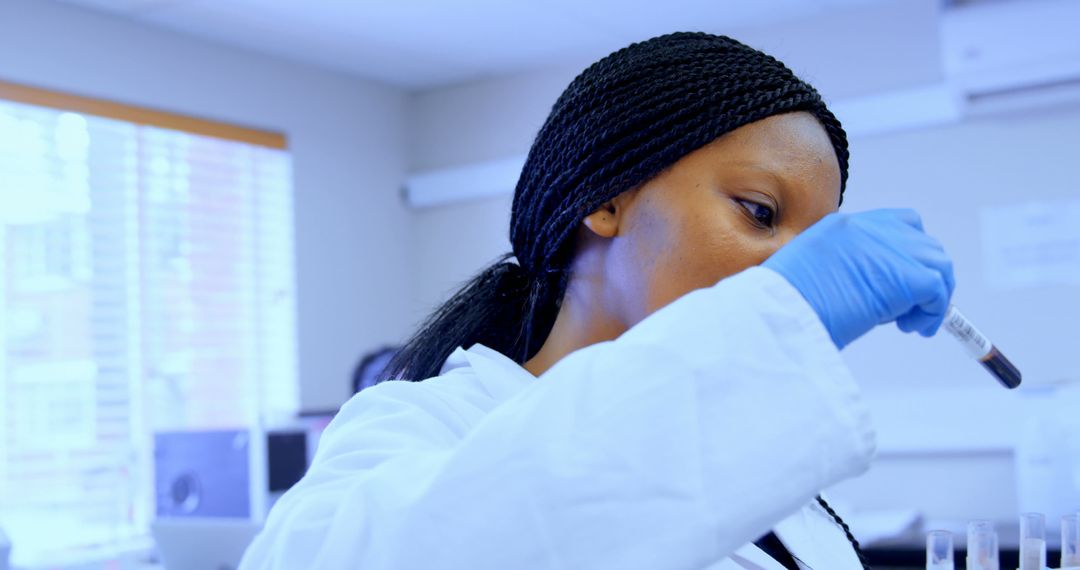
{"points": [[914, 557]]}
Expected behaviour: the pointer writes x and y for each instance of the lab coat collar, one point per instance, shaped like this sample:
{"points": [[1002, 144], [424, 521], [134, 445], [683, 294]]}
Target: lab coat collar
{"points": [[493, 368], [457, 359], [797, 534], [813, 537]]}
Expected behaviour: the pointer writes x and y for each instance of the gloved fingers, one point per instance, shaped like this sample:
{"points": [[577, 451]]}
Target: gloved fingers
{"points": [[946, 270], [930, 253], [931, 294], [906, 216], [897, 231], [918, 320], [910, 321]]}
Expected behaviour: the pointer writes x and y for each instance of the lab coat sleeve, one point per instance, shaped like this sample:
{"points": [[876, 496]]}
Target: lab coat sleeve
{"points": [[690, 435]]}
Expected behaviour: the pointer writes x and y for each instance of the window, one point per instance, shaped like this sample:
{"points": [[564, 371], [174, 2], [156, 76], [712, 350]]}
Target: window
{"points": [[146, 283]]}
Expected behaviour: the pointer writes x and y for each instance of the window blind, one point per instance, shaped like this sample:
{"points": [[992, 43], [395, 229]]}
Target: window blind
{"points": [[146, 283]]}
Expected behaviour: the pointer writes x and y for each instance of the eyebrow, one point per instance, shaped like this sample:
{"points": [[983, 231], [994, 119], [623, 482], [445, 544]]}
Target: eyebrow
{"points": [[761, 169]]}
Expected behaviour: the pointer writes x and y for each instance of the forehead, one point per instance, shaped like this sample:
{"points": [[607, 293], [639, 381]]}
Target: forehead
{"points": [[792, 150], [791, 139]]}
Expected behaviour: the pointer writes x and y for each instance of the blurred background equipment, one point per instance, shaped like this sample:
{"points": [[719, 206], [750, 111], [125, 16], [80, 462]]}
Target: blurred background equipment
{"points": [[203, 544], [215, 487], [209, 474], [371, 366]]}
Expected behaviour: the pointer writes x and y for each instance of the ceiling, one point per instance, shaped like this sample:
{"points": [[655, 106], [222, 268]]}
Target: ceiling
{"points": [[420, 44]]}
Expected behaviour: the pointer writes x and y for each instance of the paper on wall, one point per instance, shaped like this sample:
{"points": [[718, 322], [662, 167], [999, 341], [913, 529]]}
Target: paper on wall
{"points": [[1031, 244]]}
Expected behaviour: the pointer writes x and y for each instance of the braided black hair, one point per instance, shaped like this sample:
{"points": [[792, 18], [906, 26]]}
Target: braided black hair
{"points": [[618, 124], [847, 532]]}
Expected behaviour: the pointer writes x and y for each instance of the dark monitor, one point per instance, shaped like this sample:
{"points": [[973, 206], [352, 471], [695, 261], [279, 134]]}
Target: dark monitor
{"points": [[287, 458]]}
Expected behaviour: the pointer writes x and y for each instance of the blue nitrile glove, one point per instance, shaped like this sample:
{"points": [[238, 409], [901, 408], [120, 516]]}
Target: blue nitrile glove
{"points": [[861, 270]]}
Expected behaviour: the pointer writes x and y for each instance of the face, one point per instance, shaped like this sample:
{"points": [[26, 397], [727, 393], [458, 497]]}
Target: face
{"points": [[717, 211]]}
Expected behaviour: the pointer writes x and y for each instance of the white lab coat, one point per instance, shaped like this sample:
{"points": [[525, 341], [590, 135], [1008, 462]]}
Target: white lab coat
{"points": [[715, 419]]}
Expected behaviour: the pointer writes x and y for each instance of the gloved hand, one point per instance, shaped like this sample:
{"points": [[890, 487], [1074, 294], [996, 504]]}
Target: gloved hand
{"points": [[861, 270]]}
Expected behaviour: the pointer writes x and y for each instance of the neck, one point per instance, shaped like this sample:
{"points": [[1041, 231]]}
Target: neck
{"points": [[583, 319]]}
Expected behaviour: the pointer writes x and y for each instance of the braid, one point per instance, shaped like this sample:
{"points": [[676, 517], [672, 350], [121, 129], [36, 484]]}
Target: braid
{"points": [[619, 123], [847, 531], [629, 116]]}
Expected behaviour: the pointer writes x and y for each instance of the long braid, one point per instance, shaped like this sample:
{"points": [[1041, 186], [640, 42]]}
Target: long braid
{"points": [[847, 531]]}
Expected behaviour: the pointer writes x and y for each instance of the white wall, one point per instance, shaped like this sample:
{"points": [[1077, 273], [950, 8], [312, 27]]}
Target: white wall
{"points": [[346, 137], [870, 49], [946, 429], [464, 124]]}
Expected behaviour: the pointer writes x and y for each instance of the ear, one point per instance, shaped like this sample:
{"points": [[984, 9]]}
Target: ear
{"points": [[604, 222]]}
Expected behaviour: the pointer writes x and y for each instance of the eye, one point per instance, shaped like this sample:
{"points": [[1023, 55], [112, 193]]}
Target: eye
{"points": [[763, 215]]}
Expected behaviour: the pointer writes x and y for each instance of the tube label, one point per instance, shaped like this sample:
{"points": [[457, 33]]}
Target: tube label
{"points": [[977, 344]]}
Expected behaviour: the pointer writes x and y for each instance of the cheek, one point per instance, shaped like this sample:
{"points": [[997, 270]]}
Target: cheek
{"points": [[705, 248], [642, 260]]}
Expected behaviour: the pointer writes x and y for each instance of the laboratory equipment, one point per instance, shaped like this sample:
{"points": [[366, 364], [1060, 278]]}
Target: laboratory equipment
{"points": [[1070, 541], [939, 550], [210, 473], [982, 546], [1032, 541], [981, 348], [194, 543]]}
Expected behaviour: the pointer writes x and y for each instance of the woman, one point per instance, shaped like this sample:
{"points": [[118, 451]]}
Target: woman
{"points": [[653, 381]]}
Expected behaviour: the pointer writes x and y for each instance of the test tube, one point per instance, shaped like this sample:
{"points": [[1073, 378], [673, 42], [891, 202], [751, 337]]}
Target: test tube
{"points": [[1032, 541], [981, 348], [1070, 541], [939, 550], [982, 546]]}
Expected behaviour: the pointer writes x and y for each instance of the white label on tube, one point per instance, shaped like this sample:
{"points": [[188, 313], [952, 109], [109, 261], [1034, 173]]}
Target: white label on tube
{"points": [[977, 344]]}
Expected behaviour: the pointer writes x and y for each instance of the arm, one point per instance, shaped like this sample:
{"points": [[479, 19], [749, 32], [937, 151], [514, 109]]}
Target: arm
{"points": [[672, 446]]}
